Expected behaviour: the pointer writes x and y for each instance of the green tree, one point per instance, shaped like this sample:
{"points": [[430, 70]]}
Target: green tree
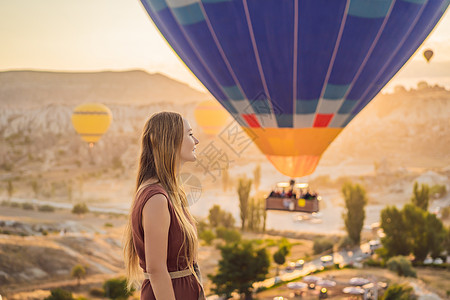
{"points": [[116, 288], [355, 200], [228, 235], [395, 241], [240, 266], [80, 208], [257, 214], [10, 189], [284, 247], [279, 258], [447, 240], [401, 265], [415, 219], [35, 186], [243, 189], [420, 197], [208, 236], [59, 294], [218, 217], [257, 176], [70, 191], [397, 291], [412, 230], [436, 234], [438, 191], [225, 179], [322, 244], [78, 272]]}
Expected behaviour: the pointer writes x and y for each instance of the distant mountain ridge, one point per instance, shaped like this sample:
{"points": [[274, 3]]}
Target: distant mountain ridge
{"points": [[407, 127], [37, 88]]}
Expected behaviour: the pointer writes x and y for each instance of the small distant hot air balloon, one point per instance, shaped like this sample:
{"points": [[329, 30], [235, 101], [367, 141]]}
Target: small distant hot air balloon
{"points": [[91, 121], [211, 116], [428, 54]]}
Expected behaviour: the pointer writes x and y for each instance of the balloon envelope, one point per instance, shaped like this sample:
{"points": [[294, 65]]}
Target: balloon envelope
{"points": [[428, 54], [211, 116], [91, 121], [294, 73]]}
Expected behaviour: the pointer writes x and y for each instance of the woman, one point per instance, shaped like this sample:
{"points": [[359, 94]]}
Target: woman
{"points": [[160, 239]]}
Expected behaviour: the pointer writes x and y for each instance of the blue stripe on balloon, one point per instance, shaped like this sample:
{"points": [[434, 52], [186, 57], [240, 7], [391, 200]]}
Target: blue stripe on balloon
{"points": [[156, 5], [402, 13], [236, 44], [372, 9], [347, 106], [335, 91], [304, 107], [216, 1], [275, 48], [261, 106], [444, 7], [200, 36], [414, 1], [415, 38], [189, 14], [316, 42], [358, 36], [233, 92], [169, 28], [285, 120], [348, 120]]}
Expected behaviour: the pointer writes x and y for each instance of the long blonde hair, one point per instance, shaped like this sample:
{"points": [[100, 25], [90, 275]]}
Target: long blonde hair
{"points": [[161, 143]]}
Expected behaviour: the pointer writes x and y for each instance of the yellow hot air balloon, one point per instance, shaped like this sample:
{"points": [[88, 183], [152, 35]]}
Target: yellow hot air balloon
{"points": [[211, 116], [91, 121]]}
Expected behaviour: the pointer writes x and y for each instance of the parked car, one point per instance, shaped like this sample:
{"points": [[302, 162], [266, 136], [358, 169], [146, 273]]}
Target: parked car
{"points": [[299, 264], [291, 266], [327, 260]]}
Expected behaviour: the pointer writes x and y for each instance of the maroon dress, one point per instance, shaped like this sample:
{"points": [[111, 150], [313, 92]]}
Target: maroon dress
{"points": [[185, 288]]}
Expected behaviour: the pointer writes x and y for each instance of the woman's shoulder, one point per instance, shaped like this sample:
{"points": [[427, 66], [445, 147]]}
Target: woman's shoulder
{"points": [[151, 187], [150, 190]]}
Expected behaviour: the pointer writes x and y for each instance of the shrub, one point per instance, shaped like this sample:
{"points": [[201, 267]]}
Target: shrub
{"points": [[398, 292], [80, 208], [208, 236], [445, 213], [27, 206], [374, 263], [60, 294], [108, 225], [97, 292], [228, 235], [14, 204], [46, 208], [116, 288], [401, 265], [346, 243], [322, 245]]}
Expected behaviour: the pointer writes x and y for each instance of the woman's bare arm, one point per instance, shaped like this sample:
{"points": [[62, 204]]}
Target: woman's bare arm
{"points": [[156, 222]]}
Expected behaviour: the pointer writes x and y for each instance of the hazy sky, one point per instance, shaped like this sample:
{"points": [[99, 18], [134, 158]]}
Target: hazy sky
{"points": [[92, 35]]}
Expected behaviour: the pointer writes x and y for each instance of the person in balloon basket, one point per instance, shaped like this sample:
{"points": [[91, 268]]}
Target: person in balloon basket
{"points": [[161, 245]]}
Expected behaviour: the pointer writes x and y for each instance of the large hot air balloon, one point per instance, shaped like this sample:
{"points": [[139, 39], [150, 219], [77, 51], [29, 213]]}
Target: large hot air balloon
{"points": [[294, 73], [91, 121], [428, 54], [211, 116]]}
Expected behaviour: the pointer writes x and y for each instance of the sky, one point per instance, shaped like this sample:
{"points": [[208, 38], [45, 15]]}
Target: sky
{"points": [[98, 35]]}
